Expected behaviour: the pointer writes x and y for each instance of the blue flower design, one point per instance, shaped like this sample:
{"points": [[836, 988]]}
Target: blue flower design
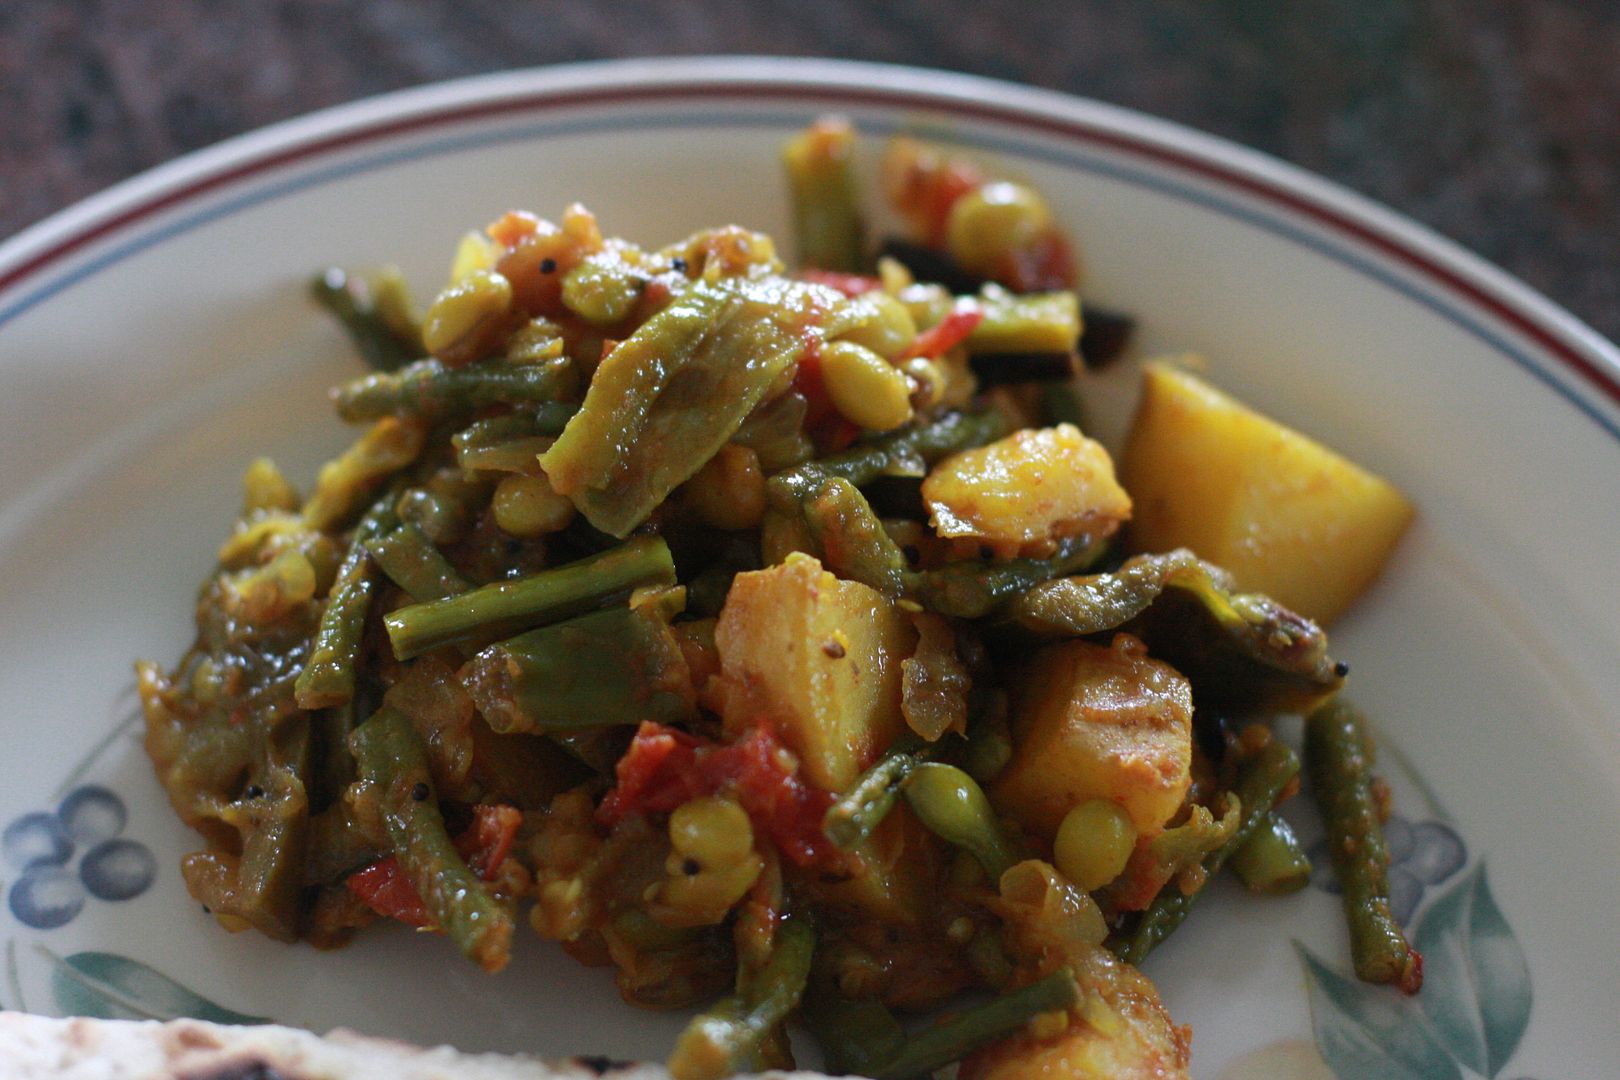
{"points": [[1422, 854], [51, 891]]}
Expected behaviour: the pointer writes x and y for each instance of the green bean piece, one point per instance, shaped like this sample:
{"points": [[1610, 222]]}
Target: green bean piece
{"points": [[1239, 650], [954, 1038], [728, 1037], [1338, 760], [906, 452], [971, 590], [545, 418], [346, 485], [328, 678], [619, 666], [374, 317], [1038, 323], [826, 211], [411, 561], [504, 608], [429, 389], [391, 756], [953, 806], [1273, 861], [868, 801], [513, 442], [1260, 781], [332, 769], [853, 542], [266, 888], [671, 394], [856, 1036]]}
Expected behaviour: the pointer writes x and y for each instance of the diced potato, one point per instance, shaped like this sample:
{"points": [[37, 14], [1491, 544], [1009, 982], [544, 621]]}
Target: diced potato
{"points": [[1097, 722], [1122, 1033], [1287, 516], [1035, 485], [820, 658]]}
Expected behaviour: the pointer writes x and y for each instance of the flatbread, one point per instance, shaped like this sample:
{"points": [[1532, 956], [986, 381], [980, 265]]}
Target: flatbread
{"points": [[42, 1048]]}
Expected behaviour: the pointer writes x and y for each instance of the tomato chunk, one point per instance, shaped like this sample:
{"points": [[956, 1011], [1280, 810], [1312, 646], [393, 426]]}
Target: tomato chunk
{"points": [[665, 768]]}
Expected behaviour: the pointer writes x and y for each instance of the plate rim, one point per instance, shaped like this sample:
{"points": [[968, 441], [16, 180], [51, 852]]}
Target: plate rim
{"points": [[125, 208], [29, 258]]}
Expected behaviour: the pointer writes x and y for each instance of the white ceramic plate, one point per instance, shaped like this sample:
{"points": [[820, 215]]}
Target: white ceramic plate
{"points": [[156, 337]]}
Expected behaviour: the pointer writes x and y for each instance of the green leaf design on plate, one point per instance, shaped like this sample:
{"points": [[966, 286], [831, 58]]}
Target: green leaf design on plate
{"points": [[114, 987], [1476, 986], [1367, 1032]]}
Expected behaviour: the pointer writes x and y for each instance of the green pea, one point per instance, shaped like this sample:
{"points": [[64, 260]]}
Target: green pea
{"points": [[998, 218], [867, 389], [1093, 843]]}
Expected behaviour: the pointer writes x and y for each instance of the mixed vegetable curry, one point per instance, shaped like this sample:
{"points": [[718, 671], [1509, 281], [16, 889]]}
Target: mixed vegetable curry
{"points": [[781, 640]]}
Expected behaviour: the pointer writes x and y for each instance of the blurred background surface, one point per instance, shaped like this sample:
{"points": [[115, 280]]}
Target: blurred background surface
{"points": [[1496, 122]]}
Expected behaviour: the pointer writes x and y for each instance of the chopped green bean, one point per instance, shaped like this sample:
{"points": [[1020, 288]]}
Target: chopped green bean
{"points": [[856, 1036], [954, 1038], [826, 212], [1041, 323], [543, 418], [971, 590], [328, 678], [1339, 761], [391, 756], [411, 561], [908, 451], [868, 801], [508, 607], [671, 394], [429, 389], [852, 540], [382, 335], [619, 666], [1273, 861], [728, 1037], [1260, 781]]}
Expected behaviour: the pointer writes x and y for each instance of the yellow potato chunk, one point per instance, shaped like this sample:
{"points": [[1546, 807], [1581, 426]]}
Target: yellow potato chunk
{"points": [[818, 657], [1097, 722], [1287, 516], [1039, 484]]}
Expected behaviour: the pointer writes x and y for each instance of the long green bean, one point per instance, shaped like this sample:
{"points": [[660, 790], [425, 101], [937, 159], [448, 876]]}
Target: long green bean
{"points": [[727, 1038], [619, 666], [411, 561], [1273, 861], [384, 344], [429, 389], [508, 607], [826, 212], [868, 801], [1339, 764], [328, 678], [954, 1038], [1260, 781], [392, 757]]}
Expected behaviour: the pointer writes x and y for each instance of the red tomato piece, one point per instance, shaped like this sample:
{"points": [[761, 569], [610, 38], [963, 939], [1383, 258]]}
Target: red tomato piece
{"points": [[484, 845], [949, 332]]}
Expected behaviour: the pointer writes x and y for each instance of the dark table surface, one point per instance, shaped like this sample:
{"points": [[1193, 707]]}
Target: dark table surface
{"points": [[1496, 123]]}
